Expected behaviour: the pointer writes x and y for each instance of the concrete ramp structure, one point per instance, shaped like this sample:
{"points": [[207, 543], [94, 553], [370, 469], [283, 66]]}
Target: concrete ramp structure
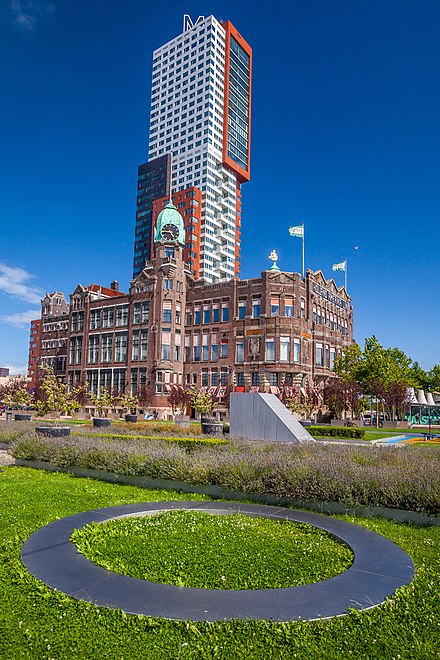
{"points": [[258, 416]]}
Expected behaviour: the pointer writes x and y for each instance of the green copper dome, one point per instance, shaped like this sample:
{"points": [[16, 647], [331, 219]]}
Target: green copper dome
{"points": [[169, 216]]}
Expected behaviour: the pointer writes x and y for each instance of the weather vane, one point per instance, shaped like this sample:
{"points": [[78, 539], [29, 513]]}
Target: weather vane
{"points": [[274, 257]]}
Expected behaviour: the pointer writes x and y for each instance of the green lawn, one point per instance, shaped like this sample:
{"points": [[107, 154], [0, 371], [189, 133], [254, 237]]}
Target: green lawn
{"points": [[226, 552], [38, 623]]}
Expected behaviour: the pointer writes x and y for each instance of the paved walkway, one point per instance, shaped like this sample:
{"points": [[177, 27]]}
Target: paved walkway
{"points": [[379, 568]]}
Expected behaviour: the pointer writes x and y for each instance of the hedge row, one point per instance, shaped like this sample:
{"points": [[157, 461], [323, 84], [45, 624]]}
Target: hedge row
{"points": [[336, 432]]}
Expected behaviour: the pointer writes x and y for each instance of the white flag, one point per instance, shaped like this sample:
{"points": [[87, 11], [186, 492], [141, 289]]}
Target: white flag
{"points": [[297, 231], [340, 266]]}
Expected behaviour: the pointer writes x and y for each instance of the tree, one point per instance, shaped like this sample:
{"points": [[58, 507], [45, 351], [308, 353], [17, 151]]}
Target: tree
{"points": [[145, 395], [15, 393], [103, 400], [55, 396], [396, 397], [202, 402], [335, 397], [178, 398], [304, 402], [128, 403]]}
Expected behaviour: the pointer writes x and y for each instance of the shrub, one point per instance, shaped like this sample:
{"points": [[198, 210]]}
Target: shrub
{"points": [[336, 432], [406, 478]]}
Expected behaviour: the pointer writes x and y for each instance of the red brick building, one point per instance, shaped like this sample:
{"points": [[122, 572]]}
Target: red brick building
{"points": [[171, 328]]}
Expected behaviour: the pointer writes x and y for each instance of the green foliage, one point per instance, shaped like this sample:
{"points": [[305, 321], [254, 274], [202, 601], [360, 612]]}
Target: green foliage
{"points": [[202, 402], [206, 551], [38, 622], [55, 396], [102, 401], [15, 394], [128, 402], [336, 432]]}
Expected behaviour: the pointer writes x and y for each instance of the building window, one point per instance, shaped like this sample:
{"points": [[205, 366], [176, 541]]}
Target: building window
{"points": [[135, 345], [120, 347], [224, 348], [284, 349], [168, 285], [332, 357], [240, 378], [144, 344], [166, 345], [256, 308], [121, 315], [197, 314], [319, 355], [95, 319], [214, 346], [177, 345], [223, 376], [145, 312], [214, 377], [274, 305], [296, 350], [273, 378], [216, 313], [106, 348], [108, 317], [239, 351], [167, 311], [225, 312], [206, 314], [196, 347], [241, 309], [255, 378], [205, 378], [205, 347], [270, 350], [178, 313], [303, 309], [94, 348], [327, 356], [288, 307]]}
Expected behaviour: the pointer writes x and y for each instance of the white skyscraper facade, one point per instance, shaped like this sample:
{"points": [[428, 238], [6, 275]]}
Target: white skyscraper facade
{"points": [[200, 114]]}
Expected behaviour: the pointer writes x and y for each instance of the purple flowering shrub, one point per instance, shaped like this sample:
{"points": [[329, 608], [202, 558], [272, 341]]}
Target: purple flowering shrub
{"points": [[405, 478]]}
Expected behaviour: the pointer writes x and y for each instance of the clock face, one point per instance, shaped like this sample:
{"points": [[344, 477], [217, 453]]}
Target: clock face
{"points": [[170, 232]]}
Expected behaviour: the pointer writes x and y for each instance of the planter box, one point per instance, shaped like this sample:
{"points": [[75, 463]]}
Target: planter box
{"points": [[212, 428], [402, 424], [131, 418], [182, 421], [99, 422], [337, 422], [54, 431], [22, 417]]}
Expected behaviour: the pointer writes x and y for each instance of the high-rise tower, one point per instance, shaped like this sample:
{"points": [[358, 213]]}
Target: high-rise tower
{"points": [[200, 116]]}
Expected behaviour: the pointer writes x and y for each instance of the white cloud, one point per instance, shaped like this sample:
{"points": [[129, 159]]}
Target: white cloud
{"points": [[13, 281], [28, 15], [21, 319]]}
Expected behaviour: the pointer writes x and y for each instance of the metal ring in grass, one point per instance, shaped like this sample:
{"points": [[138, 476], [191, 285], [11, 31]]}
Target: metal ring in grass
{"points": [[379, 568]]}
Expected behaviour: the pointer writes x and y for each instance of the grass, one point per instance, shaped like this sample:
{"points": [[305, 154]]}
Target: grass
{"points": [[225, 552], [38, 623]]}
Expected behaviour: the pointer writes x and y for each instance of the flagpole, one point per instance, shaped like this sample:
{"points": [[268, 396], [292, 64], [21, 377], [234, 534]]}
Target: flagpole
{"points": [[303, 250], [346, 268]]}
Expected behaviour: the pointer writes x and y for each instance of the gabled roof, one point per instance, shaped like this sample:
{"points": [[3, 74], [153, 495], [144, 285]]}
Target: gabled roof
{"points": [[105, 291]]}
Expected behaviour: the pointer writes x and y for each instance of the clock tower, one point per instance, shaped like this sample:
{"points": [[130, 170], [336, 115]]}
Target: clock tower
{"points": [[169, 226]]}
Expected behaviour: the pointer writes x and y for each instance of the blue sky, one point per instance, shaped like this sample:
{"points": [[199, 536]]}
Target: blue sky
{"points": [[345, 138]]}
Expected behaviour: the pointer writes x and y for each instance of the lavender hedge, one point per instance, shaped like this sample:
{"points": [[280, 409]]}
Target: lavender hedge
{"points": [[403, 478]]}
